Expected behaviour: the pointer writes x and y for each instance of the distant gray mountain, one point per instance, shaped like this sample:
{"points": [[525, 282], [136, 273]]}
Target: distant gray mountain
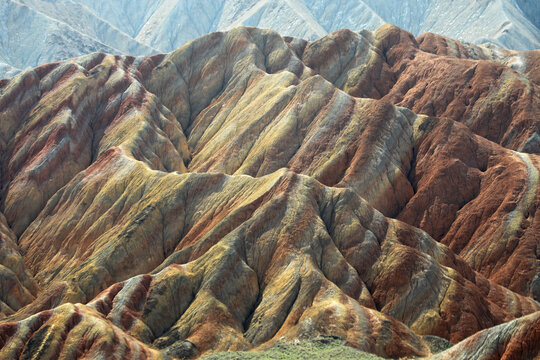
{"points": [[40, 31], [36, 32], [8, 70]]}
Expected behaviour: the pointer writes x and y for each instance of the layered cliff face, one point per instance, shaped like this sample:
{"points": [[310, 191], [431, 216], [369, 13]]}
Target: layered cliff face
{"points": [[35, 32], [245, 190]]}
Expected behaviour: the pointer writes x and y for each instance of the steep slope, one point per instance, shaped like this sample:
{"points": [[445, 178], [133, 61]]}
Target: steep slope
{"points": [[227, 195], [222, 138], [530, 10], [127, 15], [493, 99], [77, 27], [54, 138], [499, 22], [70, 331], [79, 18], [517, 339], [19, 287], [29, 38], [234, 293]]}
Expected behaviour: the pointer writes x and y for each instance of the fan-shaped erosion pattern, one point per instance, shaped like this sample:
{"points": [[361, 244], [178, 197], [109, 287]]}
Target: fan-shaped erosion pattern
{"points": [[249, 189]]}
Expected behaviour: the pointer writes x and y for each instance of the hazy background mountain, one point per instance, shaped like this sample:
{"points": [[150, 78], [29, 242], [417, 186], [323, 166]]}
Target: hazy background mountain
{"points": [[41, 31]]}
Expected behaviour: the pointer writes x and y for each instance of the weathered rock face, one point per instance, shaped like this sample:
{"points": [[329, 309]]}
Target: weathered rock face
{"points": [[498, 102], [58, 118], [517, 339], [19, 287], [229, 195], [70, 331]]}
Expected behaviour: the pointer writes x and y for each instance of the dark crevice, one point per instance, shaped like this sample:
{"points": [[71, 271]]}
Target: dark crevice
{"points": [[411, 174], [247, 321]]}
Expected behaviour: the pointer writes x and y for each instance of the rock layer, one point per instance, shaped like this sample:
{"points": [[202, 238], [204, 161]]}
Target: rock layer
{"points": [[494, 100], [238, 192], [517, 339]]}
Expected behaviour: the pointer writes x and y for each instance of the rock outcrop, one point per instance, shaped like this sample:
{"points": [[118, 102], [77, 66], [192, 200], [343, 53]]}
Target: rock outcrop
{"points": [[517, 339], [18, 285], [245, 190], [498, 99]]}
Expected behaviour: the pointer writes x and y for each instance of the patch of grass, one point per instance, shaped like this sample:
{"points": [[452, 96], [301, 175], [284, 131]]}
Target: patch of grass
{"points": [[437, 344], [317, 349]]}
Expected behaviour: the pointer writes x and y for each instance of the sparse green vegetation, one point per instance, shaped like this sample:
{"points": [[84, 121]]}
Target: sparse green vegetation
{"points": [[437, 344], [318, 349]]}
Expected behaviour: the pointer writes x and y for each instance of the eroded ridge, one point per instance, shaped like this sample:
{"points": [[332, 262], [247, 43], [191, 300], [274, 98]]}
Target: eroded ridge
{"points": [[241, 191]]}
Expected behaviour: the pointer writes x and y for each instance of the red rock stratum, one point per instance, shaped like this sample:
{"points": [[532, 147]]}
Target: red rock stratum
{"points": [[248, 189]]}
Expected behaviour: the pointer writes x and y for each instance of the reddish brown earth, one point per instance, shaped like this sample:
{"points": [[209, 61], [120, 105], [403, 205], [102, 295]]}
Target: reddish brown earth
{"points": [[245, 189], [440, 77], [516, 339]]}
